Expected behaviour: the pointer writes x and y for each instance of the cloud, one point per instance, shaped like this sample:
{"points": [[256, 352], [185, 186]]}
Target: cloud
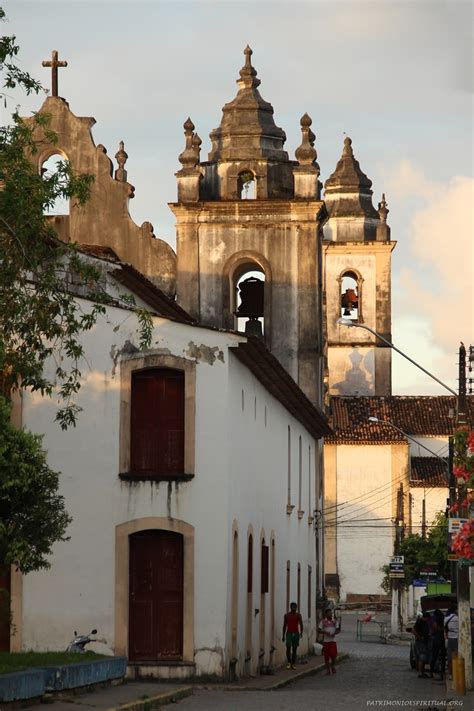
{"points": [[437, 280]]}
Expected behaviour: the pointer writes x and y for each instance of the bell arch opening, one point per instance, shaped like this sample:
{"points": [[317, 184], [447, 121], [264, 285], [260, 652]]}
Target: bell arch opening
{"points": [[52, 169], [350, 295], [246, 185], [248, 297]]}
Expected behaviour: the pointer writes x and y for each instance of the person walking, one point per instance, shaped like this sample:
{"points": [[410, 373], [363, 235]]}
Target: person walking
{"points": [[438, 647], [329, 629], [451, 628], [292, 632], [420, 630]]}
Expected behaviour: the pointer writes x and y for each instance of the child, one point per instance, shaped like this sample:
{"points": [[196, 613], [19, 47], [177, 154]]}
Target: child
{"points": [[329, 629]]}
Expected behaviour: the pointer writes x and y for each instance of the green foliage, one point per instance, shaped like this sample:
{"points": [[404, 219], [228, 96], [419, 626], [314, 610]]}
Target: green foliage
{"points": [[32, 514], [40, 317], [418, 552], [13, 75], [19, 661]]}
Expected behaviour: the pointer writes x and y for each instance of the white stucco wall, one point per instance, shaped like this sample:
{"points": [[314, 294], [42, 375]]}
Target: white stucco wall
{"points": [[258, 489], [364, 531], [435, 497], [240, 474]]}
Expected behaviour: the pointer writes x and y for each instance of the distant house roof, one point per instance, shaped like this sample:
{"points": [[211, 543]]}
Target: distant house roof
{"points": [[428, 472], [273, 376], [416, 415]]}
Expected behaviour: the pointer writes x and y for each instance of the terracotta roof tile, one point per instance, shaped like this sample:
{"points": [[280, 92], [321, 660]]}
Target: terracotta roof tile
{"points": [[415, 415], [428, 471]]}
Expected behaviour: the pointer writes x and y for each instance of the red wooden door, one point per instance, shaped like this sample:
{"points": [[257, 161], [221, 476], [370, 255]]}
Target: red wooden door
{"points": [[156, 596], [157, 422], [4, 609]]}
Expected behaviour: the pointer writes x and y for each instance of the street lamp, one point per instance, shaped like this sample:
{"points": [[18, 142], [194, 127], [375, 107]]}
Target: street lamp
{"points": [[348, 322]]}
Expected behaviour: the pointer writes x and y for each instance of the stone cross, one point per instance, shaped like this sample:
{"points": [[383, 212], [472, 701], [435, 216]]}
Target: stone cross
{"points": [[54, 64]]}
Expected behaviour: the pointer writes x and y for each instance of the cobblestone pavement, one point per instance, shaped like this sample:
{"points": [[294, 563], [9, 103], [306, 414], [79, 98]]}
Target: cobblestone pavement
{"points": [[376, 675]]}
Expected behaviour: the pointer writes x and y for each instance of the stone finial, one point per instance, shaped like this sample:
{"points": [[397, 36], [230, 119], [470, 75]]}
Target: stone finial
{"points": [[347, 150], [197, 146], [383, 209], [306, 153], [248, 73], [188, 157], [121, 158]]}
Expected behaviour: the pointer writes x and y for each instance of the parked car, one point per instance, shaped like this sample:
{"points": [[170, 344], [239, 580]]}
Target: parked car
{"points": [[430, 603]]}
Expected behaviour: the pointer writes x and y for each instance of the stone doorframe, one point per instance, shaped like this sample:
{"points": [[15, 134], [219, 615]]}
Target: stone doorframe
{"points": [[122, 573]]}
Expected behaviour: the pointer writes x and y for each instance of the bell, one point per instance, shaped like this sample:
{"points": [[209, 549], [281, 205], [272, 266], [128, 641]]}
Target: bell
{"points": [[252, 296], [253, 327]]}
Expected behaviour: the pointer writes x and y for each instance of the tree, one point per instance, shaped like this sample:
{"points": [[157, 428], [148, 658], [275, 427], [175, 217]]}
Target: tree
{"points": [[32, 514], [40, 318], [419, 551]]}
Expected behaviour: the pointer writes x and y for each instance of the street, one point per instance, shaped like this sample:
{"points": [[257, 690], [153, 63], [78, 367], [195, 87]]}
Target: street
{"points": [[376, 675]]}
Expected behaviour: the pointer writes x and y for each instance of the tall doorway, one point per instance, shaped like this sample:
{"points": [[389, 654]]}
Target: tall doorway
{"points": [[156, 596]]}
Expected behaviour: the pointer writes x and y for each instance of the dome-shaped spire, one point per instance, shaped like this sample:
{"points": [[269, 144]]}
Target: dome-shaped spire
{"points": [[248, 74], [247, 130], [348, 190]]}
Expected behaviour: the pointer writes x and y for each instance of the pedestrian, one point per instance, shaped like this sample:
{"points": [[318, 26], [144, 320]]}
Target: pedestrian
{"points": [[438, 648], [292, 632], [420, 630], [329, 629], [451, 629]]}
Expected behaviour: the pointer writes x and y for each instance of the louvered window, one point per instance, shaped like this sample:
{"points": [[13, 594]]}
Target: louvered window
{"points": [[157, 422]]}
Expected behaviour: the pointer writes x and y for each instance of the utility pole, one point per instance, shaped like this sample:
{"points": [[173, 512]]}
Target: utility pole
{"points": [[464, 610], [451, 502]]}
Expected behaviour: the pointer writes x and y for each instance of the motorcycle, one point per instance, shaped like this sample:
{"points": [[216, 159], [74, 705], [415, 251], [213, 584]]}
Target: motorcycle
{"points": [[79, 642]]}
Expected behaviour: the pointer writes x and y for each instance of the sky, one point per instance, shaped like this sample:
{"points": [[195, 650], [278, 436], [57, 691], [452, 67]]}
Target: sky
{"points": [[397, 77]]}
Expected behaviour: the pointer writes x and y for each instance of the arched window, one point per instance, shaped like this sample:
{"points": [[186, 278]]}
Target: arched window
{"points": [[249, 299], [351, 295], [246, 185], [249, 611], [52, 171]]}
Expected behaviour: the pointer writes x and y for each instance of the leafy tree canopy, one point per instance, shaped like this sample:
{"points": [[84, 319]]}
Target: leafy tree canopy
{"points": [[32, 514], [40, 318], [419, 551]]}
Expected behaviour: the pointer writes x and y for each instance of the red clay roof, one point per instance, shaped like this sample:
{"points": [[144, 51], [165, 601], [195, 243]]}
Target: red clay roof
{"points": [[428, 472], [415, 415]]}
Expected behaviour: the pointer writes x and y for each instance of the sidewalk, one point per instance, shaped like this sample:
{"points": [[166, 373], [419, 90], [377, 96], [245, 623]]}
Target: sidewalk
{"points": [[145, 696]]}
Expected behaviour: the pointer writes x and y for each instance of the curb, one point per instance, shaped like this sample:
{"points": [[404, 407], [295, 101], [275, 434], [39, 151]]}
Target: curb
{"points": [[166, 697], [271, 687]]}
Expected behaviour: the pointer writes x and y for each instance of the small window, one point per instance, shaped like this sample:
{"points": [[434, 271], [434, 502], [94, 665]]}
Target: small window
{"points": [[265, 572], [157, 422], [246, 185], [250, 565], [309, 590], [298, 587]]}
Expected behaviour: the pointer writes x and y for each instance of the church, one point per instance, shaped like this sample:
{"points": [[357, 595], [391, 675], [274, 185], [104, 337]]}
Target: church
{"points": [[204, 476]]}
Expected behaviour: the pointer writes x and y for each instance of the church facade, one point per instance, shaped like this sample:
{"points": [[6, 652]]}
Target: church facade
{"points": [[195, 469]]}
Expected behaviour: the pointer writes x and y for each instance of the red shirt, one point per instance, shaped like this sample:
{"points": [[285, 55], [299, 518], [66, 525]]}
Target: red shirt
{"points": [[292, 621]]}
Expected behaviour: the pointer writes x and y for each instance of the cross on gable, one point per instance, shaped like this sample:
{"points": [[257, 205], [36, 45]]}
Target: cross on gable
{"points": [[54, 64]]}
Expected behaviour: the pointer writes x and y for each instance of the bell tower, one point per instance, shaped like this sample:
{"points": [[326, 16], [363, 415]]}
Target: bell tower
{"points": [[249, 232], [357, 273]]}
